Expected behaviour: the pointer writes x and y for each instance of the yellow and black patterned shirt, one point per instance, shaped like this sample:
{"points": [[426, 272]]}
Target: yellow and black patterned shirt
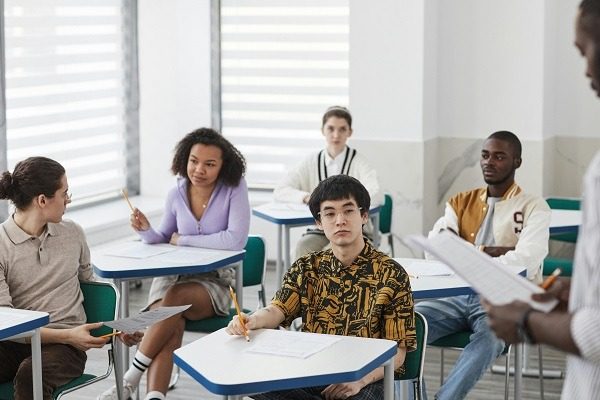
{"points": [[370, 298]]}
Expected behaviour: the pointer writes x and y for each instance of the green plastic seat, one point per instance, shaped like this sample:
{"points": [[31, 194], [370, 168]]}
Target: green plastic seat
{"points": [[100, 301], [385, 221], [558, 203], [414, 362]]}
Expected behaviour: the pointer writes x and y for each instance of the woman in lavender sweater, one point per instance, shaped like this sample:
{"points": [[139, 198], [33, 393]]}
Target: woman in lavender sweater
{"points": [[208, 208]]}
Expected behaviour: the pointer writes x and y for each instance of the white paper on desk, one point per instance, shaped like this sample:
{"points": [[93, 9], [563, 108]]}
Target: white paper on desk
{"points": [[487, 276], [139, 250], [291, 344], [145, 319], [184, 256], [426, 268]]}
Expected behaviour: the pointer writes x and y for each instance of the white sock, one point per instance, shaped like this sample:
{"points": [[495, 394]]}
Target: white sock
{"points": [[139, 365], [155, 395]]}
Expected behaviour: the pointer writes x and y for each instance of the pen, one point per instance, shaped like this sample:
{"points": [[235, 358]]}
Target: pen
{"points": [[550, 280], [115, 333], [124, 193], [239, 313]]}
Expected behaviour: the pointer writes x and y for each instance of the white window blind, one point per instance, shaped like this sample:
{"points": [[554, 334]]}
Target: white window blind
{"points": [[65, 89], [283, 63]]}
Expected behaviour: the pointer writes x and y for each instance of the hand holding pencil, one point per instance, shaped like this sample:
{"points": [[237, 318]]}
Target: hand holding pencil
{"points": [[241, 318], [138, 220]]}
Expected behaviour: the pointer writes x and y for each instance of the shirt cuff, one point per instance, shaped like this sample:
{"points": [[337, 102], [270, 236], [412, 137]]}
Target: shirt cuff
{"points": [[585, 325]]}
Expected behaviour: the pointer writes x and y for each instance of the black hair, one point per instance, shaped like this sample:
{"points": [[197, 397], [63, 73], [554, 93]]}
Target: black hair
{"points": [[511, 139], [337, 111], [590, 19], [339, 187], [30, 178], [234, 164]]}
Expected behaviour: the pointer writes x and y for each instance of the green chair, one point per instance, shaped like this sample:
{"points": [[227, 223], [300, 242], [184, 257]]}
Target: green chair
{"points": [[414, 362], [556, 203], [254, 265], [100, 301], [385, 221]]}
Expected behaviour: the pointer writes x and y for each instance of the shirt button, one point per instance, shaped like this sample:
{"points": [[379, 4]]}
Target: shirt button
{"points": [[40, 249], [472, 234]]}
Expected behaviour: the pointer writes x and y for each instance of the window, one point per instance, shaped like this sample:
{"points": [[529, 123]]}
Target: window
{"points": [[282, 64], [67, 87]]}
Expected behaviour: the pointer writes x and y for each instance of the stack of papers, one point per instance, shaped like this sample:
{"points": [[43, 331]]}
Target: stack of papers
{"points": [[291, 344], [426, 268]]}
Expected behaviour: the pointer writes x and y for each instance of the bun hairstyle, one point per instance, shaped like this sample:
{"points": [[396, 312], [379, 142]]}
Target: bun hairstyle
{"points": [[337, 111], [30, 178]]}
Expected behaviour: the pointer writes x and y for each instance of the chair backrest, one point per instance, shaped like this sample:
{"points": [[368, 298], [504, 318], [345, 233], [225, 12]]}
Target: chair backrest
{"points": [[385, 215], [415, 360], [561, 203], [100, 301], [255, 260]]}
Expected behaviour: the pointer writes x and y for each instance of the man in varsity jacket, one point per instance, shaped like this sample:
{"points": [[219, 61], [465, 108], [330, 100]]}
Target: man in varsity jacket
{"points": [[337, 158], [505, 222]]}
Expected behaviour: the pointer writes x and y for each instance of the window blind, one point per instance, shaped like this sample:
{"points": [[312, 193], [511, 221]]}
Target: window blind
{"points": [[283, 63], [65, 89]]}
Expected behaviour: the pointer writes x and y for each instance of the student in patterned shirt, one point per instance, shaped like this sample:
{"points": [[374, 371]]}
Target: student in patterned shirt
{"points": [[351, 289]]}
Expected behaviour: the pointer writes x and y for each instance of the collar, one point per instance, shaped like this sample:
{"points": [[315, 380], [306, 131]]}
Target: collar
{"points": [[363, 257], [337, 159], [18, 235], [512, 191]]}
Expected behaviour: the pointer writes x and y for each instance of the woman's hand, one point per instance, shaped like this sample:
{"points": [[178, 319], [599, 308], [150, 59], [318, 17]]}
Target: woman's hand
{"points": [[174, 238], [138, 221], [131, 339]]}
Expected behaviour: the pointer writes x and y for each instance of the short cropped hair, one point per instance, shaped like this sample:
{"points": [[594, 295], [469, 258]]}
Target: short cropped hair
{"points": [[510, 138], [339, 187], [30, 178], [337, 111], [590, 19], [234, 164]]}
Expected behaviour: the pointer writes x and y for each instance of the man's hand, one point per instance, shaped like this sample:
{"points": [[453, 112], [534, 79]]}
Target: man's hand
{"points": [[235, 326], [342, 390], [131, 339], [504, 320], [496, 251], [81, 339], [559, 290]]}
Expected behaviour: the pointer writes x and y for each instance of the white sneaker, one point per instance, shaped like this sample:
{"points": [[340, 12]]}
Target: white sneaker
{"points": [[111, 394]]}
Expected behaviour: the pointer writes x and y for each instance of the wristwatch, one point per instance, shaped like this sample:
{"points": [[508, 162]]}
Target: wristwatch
{"points": [[523, 327]]}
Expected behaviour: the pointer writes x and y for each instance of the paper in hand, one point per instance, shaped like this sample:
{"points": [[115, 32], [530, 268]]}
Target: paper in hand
{"points": [[486, 275], [145, 319]]}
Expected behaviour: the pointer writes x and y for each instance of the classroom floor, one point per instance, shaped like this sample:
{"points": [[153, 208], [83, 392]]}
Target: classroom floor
{"points": [[490, 387]]}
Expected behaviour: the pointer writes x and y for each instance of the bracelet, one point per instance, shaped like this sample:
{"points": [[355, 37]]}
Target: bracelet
{"points": [[523, 327]]}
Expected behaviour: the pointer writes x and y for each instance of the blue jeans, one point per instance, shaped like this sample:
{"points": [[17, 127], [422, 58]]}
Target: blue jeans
{"points": [[456, 314]]}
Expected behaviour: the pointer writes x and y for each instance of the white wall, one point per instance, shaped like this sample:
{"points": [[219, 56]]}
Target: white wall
{"points": [[174, 51]]}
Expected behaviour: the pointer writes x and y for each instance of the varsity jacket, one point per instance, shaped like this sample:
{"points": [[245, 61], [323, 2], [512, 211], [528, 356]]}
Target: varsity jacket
{"points": [[520, 220]]}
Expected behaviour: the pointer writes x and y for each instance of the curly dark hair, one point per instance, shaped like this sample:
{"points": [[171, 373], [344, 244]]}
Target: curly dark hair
{"points": [[234, 164], [30, 178]]}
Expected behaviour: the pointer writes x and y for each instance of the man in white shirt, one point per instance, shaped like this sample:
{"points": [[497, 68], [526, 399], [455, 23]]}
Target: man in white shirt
{"points": [[573, 326]]}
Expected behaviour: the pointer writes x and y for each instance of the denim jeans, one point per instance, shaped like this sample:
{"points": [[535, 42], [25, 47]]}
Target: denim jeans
{"points": [[456, 314]]}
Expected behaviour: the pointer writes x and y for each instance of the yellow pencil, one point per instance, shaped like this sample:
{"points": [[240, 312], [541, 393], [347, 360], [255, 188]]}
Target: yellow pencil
{"points": [[115, 333], [239, 313], [124, 193], [550, 280]]}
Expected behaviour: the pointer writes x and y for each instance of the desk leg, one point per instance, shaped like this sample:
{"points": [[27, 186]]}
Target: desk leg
{"points": [[279, 265], [239, 283], [388, 379], [518, 371], [119, 349], [36, 361], [122, 351], [286, 247]]}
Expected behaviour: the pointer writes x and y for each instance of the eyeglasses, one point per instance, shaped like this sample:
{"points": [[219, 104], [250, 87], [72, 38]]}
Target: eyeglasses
{"points": [[330, 216]]}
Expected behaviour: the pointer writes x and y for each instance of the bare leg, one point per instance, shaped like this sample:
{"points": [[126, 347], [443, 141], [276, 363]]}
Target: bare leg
{"points": [[165, 337]]}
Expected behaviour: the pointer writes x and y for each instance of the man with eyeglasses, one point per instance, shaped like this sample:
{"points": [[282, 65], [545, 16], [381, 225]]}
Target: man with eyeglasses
{"points": [[351, 289], [503, 221]]}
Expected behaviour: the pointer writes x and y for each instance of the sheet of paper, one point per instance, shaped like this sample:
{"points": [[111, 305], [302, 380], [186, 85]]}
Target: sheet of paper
{"points": [[426, 268], [184, 256], [145, 319], [290, 343], [486, 276], [139, 250]]}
